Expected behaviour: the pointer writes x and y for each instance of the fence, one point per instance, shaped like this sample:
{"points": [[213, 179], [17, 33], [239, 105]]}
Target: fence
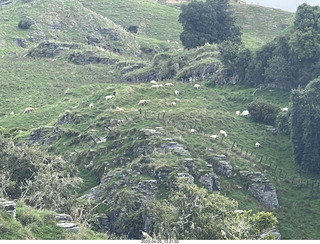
{"points": [[280, 174]]}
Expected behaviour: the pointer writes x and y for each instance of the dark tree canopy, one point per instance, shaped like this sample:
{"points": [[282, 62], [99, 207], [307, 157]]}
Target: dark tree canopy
{"points": [[209, 21], [304, 122], [289, 60]]}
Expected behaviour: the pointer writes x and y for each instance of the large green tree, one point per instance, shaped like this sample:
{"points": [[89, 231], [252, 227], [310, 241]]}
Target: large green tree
{"points": [[209, 21], [304, 123]]}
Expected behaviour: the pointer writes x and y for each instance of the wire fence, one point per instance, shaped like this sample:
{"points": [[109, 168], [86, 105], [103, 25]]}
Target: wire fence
{"points": [[281, 174]]}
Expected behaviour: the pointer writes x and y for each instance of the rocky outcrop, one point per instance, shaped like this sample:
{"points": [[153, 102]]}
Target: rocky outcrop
{"points": [[90, 58], [143, 75], [210, 181], [261, 188], [224, 168], [19, 42], [51, 49], [199, 72], [172, 146], [8, 206], [64, 221], [224, 77]]}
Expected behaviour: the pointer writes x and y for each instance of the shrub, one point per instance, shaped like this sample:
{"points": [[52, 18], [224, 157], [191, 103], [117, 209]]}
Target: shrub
{"points": [[25, 23], [263, 111]]}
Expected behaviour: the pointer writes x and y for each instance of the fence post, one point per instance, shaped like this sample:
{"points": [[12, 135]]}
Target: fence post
{"points": [[261, 159], [233, 145], [292, 180]]}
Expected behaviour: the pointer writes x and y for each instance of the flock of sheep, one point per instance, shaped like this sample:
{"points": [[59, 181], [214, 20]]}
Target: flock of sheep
{"points": [[143, 102]]}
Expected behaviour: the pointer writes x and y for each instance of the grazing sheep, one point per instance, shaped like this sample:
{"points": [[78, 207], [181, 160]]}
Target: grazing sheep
{"points": [[214, 137], [173, 104], [154, 86], [196, 86], [245, 113], [109, 97], [160, 85], [284, 109], [119, 109], [176, 92], [28, 110], [192, 130], [143, 102], [258, 145], [177, 99], [222, 132], [238, 113], [153, 82], [168, 84], [12, 113], [91, 106]]}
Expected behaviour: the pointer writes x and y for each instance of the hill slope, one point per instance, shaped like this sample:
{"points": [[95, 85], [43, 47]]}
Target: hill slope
{"points": [[143, 149]]}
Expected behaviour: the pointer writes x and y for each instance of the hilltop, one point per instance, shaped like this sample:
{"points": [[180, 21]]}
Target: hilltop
{"points": [[78, 52]]}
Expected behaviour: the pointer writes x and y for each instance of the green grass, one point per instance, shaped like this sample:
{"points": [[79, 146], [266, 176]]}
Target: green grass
{"points": [[42, 83]]}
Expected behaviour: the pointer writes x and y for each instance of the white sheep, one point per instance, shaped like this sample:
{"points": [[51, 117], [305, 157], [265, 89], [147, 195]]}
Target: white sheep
{"points": [[143, 102], [109, 97], [196, 86], [214, 137], [176, 92], [119, 109], [222, 132], [177, 99], [168, 84], [154, 86], [91, 106], [192, 130], [160, 85], [173, 104], [284, 109], [245, 113], [238, 113], [12, 113], [258, 144], [153, 82], [28, 110]]}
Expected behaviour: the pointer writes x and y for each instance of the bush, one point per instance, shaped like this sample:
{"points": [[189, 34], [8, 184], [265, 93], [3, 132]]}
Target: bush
{"points": [[263, 111], [25, 24]]}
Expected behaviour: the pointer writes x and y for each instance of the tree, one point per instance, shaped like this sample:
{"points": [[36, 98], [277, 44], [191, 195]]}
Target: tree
{"points": [[209, 21], [263, 111], [304, 125], [191, 213]]}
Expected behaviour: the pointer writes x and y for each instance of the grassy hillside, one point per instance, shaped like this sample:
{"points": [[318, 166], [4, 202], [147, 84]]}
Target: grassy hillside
{"points": [[56, 86], [217, 113], [64, 21]]}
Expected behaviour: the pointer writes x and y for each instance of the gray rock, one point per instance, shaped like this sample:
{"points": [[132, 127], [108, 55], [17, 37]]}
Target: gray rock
{"points": [[69, 227], [272, 231], [210, 181], [20, 42], [262, 189], [173, 147], [8, 206], [225, 169], [62, 218]]}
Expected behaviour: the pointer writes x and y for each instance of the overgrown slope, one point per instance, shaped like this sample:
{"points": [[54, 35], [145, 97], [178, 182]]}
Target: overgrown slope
{"points": [[145, 147]]}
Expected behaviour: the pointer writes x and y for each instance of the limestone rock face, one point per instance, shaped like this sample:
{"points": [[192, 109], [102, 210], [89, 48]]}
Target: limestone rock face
{"points": [[262, 189], [225, 169], [210, 181]]}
